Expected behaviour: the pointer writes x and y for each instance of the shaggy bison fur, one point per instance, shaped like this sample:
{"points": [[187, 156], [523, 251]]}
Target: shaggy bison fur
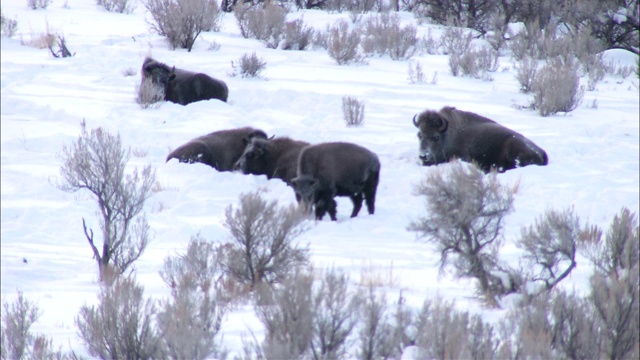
{"points": [[220, 149], [182, 86], [451, 133], [335, 169], [275, 158]]}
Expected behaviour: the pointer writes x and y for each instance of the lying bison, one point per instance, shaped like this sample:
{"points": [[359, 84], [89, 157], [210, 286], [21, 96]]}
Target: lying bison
{"points": [[275, 158], [336, 169], [182, 86], [451, 133], [220, 149]]}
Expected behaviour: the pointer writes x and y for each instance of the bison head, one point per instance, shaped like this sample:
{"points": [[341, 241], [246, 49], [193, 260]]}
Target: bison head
{"points": [[159, 73], [254, 158], [432, 135], [305, 187]]}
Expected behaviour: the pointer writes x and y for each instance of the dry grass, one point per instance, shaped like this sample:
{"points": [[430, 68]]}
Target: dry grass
{"points": [[378, 275]]}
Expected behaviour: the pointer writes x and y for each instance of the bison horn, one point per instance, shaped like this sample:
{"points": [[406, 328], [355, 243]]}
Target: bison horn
{"points": [[443, 125], [272, 136], [414, 120]]}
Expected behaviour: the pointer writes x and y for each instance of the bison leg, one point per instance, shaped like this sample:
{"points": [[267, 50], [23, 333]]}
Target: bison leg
{"points": [[357, 203], [332, 209], [370, 188]]}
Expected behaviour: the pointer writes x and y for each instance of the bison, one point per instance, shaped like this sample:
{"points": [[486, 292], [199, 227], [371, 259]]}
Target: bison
{"points": [[275, 158], [182, 86], [220, 149], [451, 133], [335, 169]]}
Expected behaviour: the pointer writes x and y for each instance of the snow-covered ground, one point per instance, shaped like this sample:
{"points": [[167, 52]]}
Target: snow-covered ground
{"points": [[593, 152]]}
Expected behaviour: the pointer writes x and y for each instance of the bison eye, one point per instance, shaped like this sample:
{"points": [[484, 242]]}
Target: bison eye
{"points": [[419, 135], [435, 138]]}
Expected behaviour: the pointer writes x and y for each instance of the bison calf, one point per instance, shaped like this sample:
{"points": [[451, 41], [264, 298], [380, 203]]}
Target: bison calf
{"points": [[275, 158], [336, 169], [451, 133], [220, 149], [182, 86]]}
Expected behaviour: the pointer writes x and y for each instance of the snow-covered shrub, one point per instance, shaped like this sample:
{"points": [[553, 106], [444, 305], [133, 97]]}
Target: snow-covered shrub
{"points": [[38, 4], [261, 248], [9, 26], [415, 73], [96, 162], [383, 35], [118, 6], [343, 44], [250, 66], [120, 325], [297, 36], [62, 50], [446, 333], [191, 319], [526, 70], [619, 251], [455, 40], [550, 246], [352, 111], [182, 21], [465, 212], [556, 87], [475, 63], [265, 22]]}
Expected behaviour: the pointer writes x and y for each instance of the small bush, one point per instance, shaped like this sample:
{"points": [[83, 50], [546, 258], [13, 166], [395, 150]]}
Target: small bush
{"points": [[96, 162], [17, 319], [557, 88], [191, 319], [38, 4], [374, 338], [446, 333], [429, 44], [619, 251], [287, 314], [474, 63], [117, 6], [182, 21], [265, 22], [121, 324], [455, 40], [149, 93], [526, 71], [250, 66], [343, 44], [261, 248], [383, 35], [352, 111], [297, 36], [550, 246], [335, 315], [62, 51], [466, 209], [416, 75], [9, 26]]}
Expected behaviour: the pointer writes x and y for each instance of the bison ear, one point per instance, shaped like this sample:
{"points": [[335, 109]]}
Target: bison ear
{"points": [[172, 77], [415, 123]]}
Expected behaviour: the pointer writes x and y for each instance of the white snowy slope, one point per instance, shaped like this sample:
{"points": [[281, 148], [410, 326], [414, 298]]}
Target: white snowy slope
{"points": [[593, 152]]}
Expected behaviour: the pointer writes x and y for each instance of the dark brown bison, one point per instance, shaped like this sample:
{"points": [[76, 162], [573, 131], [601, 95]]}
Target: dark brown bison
{"points": [[451, 133], [336, 169], [220, 149], [275, 158], [182, 86]]}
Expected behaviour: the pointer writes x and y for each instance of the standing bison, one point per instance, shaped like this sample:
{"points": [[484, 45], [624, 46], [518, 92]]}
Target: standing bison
{"points": [[182, 86], [451, 133], [336, 169], [275, 158], [220, 149]]}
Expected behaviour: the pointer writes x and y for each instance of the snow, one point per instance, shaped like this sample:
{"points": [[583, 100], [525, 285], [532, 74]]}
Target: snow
{"points": [[593, 152]]}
